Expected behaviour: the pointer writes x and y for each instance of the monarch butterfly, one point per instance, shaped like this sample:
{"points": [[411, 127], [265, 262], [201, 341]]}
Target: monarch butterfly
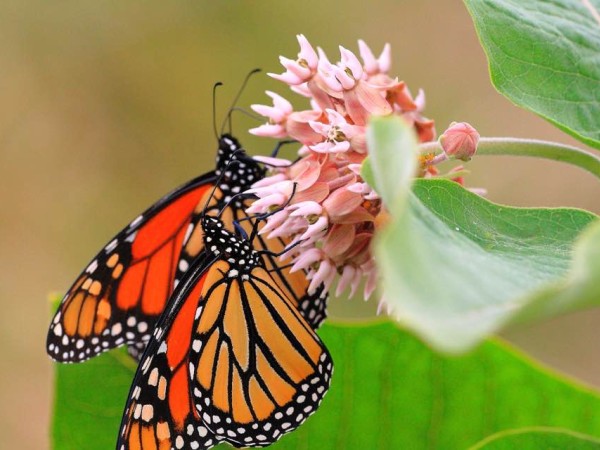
{"points": [[230, 360], [122, 292]]}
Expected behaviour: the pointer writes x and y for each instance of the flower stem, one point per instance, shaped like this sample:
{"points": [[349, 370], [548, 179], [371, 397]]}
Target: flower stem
{"points": [[531, 147]]}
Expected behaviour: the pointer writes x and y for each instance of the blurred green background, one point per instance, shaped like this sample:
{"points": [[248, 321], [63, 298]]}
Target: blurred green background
{"points": [[106, 105]]}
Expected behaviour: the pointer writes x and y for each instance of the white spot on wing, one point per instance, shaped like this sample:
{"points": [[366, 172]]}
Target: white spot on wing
{"points": [[92, 267], [111, 246], [136, 221], [116, 329], [196, 345], [183, 265]]}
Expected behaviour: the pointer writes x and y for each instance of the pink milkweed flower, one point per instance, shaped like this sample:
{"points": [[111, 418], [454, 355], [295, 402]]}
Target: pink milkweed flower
{"points": [[341, 203], [325, 275], [298, 126], [270, 196], [308, 208], [337, 132], [363, 189], [301, 70], [306, 259], [339, 239], [360, 98], [371, 284], [347, 280], [460, 141], [277, 115], [275, 178], [328, 75], [302, 89], [275, 220], [412, 111], [320, 203], [350, 69], [271, 162], [373, 66], [278, 112], [318, 227], [262, 205]]}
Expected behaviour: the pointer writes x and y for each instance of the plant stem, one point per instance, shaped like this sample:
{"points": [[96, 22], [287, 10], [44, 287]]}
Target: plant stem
{"points": [[534, 148]]}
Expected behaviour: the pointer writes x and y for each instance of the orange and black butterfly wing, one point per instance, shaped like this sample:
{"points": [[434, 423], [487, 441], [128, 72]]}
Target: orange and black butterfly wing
{"points": [[120, 295], [313, 306], [159, 414], [258, 369], [118, 298], [230, 359]]}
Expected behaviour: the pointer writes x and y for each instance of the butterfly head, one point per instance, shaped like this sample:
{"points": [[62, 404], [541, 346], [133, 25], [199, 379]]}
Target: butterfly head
{"points": [[234, 166], [225, 245]]}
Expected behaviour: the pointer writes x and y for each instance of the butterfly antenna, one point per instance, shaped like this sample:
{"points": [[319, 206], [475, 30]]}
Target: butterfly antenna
{"points": [[234, 197], [235, 100], [280, 268], [214, 106], [248, 113], [280, 144], [282, 252]]}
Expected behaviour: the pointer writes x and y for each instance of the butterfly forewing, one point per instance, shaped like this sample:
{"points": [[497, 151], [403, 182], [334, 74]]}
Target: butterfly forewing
{"points": [[118, 298]]}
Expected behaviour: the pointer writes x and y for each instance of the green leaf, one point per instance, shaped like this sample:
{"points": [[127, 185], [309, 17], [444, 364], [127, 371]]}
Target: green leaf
{"points": [[543, 55], [89, 401], [538, 438], [389, 391], [458, 268], [391, 169], [579, 289]]}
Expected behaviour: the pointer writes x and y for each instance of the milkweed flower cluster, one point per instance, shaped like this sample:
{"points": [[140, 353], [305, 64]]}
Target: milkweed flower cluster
{"points": [[320, 201]]}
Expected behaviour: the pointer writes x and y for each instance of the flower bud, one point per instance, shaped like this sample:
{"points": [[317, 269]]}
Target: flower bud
{"points": [[460, 141]]}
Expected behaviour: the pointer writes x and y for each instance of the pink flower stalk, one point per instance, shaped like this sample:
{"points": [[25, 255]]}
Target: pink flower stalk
{"points": [[325, 208]]}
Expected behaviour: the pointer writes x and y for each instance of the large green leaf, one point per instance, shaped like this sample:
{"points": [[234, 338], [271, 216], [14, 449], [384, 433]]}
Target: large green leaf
{"points": [[456, 267], [89, 401], [389, 391], [464, 267], [538, 438], [544, 56]]}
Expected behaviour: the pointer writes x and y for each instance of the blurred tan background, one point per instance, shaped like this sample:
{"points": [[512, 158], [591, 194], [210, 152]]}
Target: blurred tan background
{"points": [[106, 105]]}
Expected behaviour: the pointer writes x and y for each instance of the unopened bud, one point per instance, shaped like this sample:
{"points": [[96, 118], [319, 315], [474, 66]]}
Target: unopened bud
{"points": [[460, 141]]}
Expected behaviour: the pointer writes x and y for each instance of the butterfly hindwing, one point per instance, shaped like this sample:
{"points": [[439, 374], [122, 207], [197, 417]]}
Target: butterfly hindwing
{"points": [[294, 284], [160, 413], [258, 368]]}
